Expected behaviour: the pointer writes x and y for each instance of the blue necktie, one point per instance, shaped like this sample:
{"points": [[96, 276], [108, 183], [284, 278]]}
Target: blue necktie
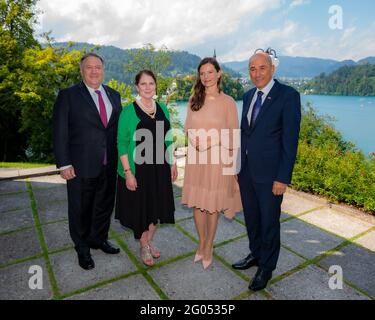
{"points": [[256, 108]]}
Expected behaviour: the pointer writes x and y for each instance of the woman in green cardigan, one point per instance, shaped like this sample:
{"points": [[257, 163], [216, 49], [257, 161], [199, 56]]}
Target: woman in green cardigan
{"points": [[146, 168]]}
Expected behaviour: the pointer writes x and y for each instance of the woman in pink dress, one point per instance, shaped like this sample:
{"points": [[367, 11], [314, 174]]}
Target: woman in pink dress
{"points": [[210, 184]]}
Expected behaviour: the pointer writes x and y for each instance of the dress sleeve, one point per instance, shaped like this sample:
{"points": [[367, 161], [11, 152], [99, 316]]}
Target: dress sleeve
{"points": [[189, 128], [123, 135], [231, 134]]}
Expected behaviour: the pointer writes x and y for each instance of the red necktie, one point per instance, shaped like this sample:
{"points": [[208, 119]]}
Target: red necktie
{"points": [[103, 117], [102, 111]]}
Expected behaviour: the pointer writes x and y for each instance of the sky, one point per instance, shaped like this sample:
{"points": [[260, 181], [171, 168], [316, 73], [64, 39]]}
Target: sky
{"points": [[339, 29]]}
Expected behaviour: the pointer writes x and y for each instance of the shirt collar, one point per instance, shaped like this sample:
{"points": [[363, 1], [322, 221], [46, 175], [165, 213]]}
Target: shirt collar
{"points": [[92, 90], [266, 90]]}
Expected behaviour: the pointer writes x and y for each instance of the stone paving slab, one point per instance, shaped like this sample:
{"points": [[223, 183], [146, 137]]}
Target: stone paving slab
{"points": [[70, 276], [47, 182], [177, 188], [337, 222], [13, 202], [240, 216], [57, 235], [52, 211], [44, 196], [18, 172], [256, 297], [185, 279], [293, 204], [133, 288], [367, 241], [284, 216], [14, 282], [14, 220], [227, 229], [311, 283], [358, 266], [307, 240], [169, 240], [12, 186], [236, 250], [19, 245], [179, 279], [182, 211], [118, 228]]}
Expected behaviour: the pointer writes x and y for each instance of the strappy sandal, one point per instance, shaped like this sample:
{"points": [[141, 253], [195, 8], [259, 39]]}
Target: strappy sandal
{"points": [[155, 252], [146, 256]]}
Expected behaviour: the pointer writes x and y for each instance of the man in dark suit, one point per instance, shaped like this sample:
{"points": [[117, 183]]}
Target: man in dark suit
{"points": [[269, 137], [85, 118]]}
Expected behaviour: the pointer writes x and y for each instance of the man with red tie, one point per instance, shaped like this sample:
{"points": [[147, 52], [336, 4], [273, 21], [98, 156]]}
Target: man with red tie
{"points": [[85, 118]]}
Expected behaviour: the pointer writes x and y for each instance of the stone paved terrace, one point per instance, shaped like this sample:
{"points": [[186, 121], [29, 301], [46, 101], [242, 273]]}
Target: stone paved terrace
{"points": [[314, 235]]}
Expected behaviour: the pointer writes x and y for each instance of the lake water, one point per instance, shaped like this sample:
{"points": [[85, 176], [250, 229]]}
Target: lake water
{"points": [[354, 116]]}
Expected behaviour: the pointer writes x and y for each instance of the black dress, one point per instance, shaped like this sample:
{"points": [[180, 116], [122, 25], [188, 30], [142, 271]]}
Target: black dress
{"points": [[153, 200]]}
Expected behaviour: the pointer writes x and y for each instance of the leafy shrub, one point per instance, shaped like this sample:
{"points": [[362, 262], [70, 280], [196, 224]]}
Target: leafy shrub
{"points": [[329, 166]]}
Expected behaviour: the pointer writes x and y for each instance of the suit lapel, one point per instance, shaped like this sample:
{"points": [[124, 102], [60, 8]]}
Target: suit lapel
{"points": [[271, 97], [246, 107], [245, 110], [86, 94]]}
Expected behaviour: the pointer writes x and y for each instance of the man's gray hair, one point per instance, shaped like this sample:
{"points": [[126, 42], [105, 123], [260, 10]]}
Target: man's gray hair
{"points": [[91, 54], [268, 57]]}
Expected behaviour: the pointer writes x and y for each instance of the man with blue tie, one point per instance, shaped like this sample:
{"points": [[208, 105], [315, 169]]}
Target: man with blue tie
{"points": [[85, 119], [269, 138]]}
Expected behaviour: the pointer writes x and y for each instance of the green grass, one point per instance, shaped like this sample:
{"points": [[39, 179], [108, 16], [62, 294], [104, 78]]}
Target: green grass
{"points": [[23, 165]]}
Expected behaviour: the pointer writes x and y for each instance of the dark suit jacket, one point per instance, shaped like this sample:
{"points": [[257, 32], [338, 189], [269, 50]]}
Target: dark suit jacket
{"points": [[79, 137], [271, 144]]}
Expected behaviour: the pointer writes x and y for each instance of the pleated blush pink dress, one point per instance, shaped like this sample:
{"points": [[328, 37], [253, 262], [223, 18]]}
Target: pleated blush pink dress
{"points": [[207, 184]]}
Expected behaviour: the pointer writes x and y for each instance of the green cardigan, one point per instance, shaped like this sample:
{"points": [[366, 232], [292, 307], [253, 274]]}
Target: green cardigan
{"points": [[127, 126]]}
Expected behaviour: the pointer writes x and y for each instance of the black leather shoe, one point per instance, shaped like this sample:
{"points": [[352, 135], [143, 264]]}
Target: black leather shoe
{"points": [[260, 280], [106, 247], [245, 263], [85, 261]]}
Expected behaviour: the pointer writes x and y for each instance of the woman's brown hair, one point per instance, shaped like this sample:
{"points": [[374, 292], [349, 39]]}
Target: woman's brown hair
{"points": [[199, 94]]}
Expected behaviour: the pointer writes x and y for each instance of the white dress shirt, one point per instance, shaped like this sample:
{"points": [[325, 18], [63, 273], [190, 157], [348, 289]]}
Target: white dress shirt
{"points": [[95, 97]]}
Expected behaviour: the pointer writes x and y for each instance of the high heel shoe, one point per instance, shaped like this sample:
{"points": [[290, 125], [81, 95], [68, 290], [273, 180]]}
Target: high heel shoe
{"points": [[198, 257], [207, 263], [146, 256], [155, 252]]}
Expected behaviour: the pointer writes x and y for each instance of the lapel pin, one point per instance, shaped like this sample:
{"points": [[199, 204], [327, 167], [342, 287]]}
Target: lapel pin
{"points": [[269, 98]]}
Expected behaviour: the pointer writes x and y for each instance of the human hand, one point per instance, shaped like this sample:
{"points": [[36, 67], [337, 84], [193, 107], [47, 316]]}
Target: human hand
{"points": [[196, 144], [174, 172], [68, 173], [278, 188], [203, 147], [131, 182]]}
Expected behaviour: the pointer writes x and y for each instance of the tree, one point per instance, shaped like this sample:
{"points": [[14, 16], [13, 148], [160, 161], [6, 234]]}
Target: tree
{"points": [[44, 72], [232, 87], [148, 58], [124, 90], [347, 80], [17, 19]]}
